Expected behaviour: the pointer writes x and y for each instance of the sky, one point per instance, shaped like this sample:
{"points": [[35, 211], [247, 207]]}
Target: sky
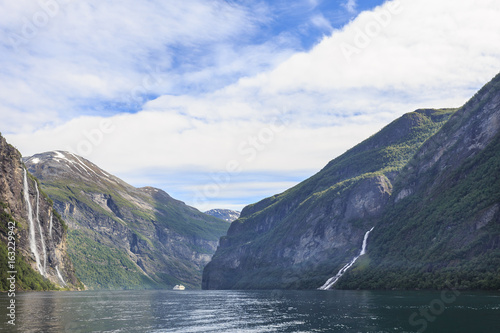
{"points": [[224, 103]]}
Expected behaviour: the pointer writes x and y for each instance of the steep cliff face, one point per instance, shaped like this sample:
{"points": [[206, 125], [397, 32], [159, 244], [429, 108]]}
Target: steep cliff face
{"points": [[121, 236], [40, 232], [300, 238], [442, 226]]}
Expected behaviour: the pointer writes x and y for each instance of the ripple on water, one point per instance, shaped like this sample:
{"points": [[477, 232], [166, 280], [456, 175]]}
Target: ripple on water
{"points": [[246, 312]]}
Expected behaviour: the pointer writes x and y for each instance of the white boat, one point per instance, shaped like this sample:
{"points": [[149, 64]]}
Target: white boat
{"points": [[179, 287]]}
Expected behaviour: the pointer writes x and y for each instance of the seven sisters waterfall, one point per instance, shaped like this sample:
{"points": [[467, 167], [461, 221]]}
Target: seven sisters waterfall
{"points": [[33, 244]]}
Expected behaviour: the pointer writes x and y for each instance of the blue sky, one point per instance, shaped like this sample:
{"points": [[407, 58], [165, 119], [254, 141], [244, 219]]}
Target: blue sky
{"points": [[223, 103]]}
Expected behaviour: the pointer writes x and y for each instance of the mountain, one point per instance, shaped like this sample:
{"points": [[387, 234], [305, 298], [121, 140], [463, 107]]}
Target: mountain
{"points": [[428, 188], [122, 237], [441, 228], [31, 225], [297, 238], [224, 214]]}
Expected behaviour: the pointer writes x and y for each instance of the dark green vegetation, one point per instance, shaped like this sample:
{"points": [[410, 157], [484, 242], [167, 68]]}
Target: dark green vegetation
{"points": [[122, 237], [430, 185], [298, 238], [26, 277], [447, 233], [104, 266]]}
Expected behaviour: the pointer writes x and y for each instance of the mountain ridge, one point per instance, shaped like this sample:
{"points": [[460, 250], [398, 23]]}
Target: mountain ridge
{"points": [[411, 182], [295, 226], [450, 190], [122, 236]]}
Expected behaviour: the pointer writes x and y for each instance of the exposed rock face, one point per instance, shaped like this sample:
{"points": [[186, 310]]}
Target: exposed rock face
{"points": [[467, 133], [122, 236], [41, 234], [300, 238], [429, 186], [442, 228]]}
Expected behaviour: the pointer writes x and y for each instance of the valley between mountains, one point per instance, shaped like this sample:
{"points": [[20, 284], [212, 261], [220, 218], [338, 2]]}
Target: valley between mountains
{"points": [[426, 189], [121, 236]]}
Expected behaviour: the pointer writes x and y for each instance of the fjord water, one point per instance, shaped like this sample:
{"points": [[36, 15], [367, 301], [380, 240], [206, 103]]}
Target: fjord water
{"points": [[254, 311]]}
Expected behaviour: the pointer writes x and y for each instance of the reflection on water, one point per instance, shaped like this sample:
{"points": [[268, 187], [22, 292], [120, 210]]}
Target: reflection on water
{"points": [[248, 311]]}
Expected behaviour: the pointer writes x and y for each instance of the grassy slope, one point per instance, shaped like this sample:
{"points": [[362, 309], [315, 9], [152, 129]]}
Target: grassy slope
{"points": [[102, 265], [431, 239], [26, 277], [384, 153], [423, 242], [177, 217]]}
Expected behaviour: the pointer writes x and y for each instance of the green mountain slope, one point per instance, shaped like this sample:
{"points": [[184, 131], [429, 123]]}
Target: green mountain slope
{"points": [[121, 236], [442, 227], [299, 238]]}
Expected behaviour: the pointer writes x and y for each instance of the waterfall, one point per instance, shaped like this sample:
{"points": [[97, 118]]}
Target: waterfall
{"points": [[331, 281], [32, 237], [42, 239], [365, 240], [60, 276], [50, 224]]}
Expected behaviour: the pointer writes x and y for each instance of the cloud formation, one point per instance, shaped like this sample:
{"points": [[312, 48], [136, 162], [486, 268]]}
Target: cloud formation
{"points": [[264, 107], [350, 6]]}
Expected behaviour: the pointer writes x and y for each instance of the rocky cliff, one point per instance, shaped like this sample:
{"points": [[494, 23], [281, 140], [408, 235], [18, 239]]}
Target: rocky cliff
{"points": [[121, 236], [441, 228], [40, 233], [300, 238], [428, 186]]}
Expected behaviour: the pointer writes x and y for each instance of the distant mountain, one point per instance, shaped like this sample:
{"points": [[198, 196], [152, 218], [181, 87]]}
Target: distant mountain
{"points": [[29, 224], [224, 214], [121, 236], [427, 185]]}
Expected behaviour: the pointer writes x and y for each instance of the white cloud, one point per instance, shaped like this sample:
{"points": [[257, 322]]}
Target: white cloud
{"points": [[321, 22], [350, 6], [403, 55], [94, 51], [418, 49]]}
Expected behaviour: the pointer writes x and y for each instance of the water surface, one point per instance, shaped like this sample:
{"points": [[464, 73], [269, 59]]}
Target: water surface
{"points": [[254, 311]]}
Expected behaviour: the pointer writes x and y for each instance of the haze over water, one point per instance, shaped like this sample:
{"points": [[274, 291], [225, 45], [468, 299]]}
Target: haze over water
{"points": [[255, 311]]}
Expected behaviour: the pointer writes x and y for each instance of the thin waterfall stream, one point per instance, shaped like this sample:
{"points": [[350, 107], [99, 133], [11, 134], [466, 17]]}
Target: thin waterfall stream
{"points": [[32, 234], [42, 238], [331, 281]]}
